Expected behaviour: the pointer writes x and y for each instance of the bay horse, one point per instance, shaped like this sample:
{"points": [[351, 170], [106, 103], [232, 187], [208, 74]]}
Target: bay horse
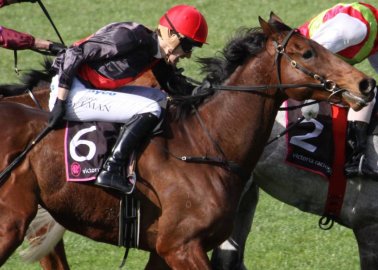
{"points": [[186, 208]]}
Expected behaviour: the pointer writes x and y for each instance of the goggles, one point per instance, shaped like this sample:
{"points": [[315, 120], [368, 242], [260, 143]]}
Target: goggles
{"points": [[186, 44]]}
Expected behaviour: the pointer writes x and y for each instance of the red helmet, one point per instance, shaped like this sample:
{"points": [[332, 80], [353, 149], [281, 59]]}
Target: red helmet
{"points": [[186, 20]]}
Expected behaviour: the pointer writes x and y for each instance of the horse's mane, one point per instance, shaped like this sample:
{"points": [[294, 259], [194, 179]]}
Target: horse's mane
{"points": [[246, 43], [29, 80]]}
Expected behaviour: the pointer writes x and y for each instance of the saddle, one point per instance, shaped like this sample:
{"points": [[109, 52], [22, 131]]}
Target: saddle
{"points": [[87, 145]]}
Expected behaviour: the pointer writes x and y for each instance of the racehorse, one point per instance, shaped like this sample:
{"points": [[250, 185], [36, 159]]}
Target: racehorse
{"points": [[186, 208]]}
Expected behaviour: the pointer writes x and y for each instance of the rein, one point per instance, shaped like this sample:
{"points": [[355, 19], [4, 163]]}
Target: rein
{"points": [[42, 6], [50, 20], [324, 84], [327, 85], [32, 96]]}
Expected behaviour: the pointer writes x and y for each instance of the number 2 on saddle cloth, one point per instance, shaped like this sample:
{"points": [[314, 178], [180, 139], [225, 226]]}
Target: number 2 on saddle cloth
{"points": [[310, 144]]}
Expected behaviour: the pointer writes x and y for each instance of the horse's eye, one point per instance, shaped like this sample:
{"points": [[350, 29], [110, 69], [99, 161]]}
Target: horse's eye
{"points": [[308, 54]]}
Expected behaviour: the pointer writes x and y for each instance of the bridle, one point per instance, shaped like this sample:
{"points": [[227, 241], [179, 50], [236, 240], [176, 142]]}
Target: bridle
{"points": [[325, 84], [328, 85]]}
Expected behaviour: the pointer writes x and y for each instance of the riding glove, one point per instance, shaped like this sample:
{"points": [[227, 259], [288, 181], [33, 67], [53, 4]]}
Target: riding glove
{"points": [[204, 88], [57, 113], [55, 48]]}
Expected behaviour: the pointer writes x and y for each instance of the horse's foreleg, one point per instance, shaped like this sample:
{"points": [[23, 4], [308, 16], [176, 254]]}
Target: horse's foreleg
{"points": [[367, 239], [10, 236], [155, 262], [17, 208], [190, 256], [229, 255], [56, 260]]}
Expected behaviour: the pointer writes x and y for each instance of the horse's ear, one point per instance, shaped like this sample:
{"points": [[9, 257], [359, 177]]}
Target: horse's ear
{"points": [[277, 24], [274, 18], [266, 27]]}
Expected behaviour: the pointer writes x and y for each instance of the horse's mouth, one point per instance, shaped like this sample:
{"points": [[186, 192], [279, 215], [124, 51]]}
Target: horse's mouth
{"points": [[355, 102]]}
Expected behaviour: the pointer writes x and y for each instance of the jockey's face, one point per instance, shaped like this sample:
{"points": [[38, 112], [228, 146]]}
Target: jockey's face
{"points": [[170, 46], [173, 57]]}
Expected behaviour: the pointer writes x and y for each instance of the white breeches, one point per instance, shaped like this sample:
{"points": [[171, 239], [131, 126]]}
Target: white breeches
{"points": [[85, 104]]}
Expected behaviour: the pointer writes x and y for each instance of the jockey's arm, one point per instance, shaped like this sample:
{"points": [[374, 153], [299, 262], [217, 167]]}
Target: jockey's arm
{"points": [[41, 44], [10, 2], [340, 32], [14, 40], [171, 79], [62, 93]]}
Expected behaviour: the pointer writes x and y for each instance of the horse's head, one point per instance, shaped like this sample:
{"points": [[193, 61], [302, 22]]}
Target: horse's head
{"points": [[302, 61]]}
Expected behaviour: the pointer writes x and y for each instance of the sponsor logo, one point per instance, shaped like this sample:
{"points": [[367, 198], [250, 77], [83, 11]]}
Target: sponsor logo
{"points": [[75, 169]]}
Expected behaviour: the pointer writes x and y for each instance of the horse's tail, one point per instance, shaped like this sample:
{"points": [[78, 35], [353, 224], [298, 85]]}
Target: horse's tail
{"points": [[29, 80], [43, 235]]}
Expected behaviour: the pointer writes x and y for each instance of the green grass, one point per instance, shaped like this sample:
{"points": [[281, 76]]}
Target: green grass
{"points": [[283, 237]]}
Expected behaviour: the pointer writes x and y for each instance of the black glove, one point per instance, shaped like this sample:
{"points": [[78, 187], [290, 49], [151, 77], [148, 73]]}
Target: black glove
{"points": [[204, 88], [178, 84], [57, 113], [55, 48]]}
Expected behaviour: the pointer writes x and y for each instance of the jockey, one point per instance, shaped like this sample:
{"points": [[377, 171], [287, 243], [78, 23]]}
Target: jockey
{"points": [[92, 74], [14, 40], [351, 31]]}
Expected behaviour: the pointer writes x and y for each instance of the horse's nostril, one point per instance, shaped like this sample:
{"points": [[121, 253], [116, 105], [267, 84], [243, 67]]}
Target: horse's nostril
{"points": [[367, 85]]}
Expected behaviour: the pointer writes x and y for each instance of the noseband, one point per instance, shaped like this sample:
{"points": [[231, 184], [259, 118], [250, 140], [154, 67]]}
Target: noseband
{"points": [[231, 166], [327, 85]]}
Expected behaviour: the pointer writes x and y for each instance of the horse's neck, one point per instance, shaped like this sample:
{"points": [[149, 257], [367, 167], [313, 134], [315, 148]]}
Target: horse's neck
{"points": [[239, 121], [40, 94]]}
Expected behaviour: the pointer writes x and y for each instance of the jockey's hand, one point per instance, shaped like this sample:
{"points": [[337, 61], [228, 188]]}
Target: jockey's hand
{"points": [[57, 113], [204, 88], [55, 48]]}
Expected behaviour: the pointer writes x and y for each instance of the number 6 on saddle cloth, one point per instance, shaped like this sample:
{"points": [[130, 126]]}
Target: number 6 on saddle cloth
{"points": [[86, 145]]}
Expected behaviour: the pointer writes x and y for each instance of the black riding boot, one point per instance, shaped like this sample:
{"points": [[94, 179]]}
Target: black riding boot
{"points": [[130, 137], [356, 142]]}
